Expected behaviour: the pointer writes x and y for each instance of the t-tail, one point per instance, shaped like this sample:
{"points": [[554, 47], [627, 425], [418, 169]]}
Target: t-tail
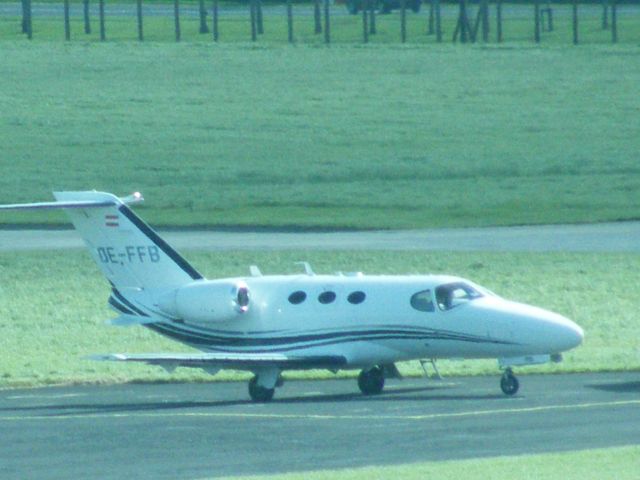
{"points": [[138, 263]]}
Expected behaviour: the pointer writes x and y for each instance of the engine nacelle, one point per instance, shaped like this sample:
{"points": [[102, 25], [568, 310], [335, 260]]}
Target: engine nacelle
{"points": [[209, 301]]}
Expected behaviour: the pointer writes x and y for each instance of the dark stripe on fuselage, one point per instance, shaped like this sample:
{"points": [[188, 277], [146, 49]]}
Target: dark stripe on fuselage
{"points": [[119, 307], [161, 244], [281, 344], [126, 302]]}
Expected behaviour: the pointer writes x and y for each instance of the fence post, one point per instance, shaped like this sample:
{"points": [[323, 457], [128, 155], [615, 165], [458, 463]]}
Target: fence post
{"points": [[67, 23], [431, 22], [575, 22], [403, 21], [438, 21], [499, 21], [614, 21], [536, 21], [27, 23], [87, 20], [103, 35], [373, 29], [485, 20], [365, 26], [252, 20], [139, 15], [176, 15], [290, 21], [24, 4], [327, 23], [317, 21], [462, 25], [605, 14], [204, 28], [215, 20], [259, 23]]}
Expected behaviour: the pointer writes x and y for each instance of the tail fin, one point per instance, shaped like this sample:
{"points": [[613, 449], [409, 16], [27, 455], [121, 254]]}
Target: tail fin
{"points": [[130, 254]]}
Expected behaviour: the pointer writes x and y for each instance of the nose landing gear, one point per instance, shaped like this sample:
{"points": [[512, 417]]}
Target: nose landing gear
{"points": [[509, 383]]}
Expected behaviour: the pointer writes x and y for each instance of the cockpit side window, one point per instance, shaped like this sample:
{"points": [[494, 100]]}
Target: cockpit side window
{"points": [[452, 295], [423, 301]]}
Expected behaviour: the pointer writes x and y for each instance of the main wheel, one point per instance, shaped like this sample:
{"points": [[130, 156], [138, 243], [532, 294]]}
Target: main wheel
{"points": [[259, 393], [509, 383], [371, 382]]}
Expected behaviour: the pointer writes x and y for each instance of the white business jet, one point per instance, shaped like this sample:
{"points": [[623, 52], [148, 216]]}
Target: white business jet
{"points": [[271, 323]]}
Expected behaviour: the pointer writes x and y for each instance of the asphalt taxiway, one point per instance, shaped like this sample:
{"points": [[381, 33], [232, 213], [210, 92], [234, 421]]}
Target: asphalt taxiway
{"points": [[600, 237], [208, 430]]}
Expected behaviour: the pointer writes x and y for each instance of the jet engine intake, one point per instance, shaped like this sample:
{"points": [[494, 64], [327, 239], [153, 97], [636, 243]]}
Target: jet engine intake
{"points": [[208, 301]]}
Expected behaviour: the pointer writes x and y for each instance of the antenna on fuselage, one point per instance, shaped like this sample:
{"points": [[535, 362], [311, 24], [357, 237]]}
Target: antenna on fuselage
{"points": [[307, 268], [255, 271]]}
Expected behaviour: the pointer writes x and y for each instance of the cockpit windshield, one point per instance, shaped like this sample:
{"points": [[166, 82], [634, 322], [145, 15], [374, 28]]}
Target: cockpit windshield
{"points": [[452, 295]]}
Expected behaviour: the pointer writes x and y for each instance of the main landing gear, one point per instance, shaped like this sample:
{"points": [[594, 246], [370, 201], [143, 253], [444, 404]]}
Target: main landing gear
{"points": [[371, 382], [259, 393], [509, 383], [263, 385]]}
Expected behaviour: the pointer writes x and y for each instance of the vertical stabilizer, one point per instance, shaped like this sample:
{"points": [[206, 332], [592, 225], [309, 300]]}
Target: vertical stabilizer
{"points": [[129, 252]]}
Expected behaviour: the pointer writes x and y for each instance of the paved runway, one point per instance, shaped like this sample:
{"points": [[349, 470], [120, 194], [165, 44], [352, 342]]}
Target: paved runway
{"points": [[170, 431], [602, 237]]}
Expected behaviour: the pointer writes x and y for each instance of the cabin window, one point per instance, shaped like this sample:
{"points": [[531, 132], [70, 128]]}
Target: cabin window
{"points": [[326, 297], [297, 297], [356, 297], [455, 294], [423, 301]]}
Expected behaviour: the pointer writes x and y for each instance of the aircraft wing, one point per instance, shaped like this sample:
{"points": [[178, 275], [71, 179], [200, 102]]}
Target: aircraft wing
{"points": [[237, 361]]}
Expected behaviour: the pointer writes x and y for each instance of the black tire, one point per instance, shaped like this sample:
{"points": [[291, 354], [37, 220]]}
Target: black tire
{"points": [[353, 6], [371, 382], [509, 384], [258, 393]]}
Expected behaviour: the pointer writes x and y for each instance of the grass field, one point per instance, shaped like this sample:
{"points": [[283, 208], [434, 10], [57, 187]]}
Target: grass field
{"points": [[53, 307], [619, 463], [350, 136]]}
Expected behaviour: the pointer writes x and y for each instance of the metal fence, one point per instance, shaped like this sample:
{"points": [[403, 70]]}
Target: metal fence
{"points": [[464, 21]]}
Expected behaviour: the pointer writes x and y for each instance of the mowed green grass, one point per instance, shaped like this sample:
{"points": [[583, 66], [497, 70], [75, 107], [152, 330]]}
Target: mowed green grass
{"points": [[53, 308], [620, 463], [351, 136]]}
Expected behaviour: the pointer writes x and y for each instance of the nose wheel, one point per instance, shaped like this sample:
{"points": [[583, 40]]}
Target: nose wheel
{"points": [[509, 383]]}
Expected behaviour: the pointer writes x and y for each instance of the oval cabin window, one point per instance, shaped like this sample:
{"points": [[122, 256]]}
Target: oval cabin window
{"points": [[356, 297], [297, 297], [326, 297]]}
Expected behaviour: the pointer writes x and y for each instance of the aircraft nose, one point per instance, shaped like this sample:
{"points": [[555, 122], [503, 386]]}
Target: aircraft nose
{"points": [[570, 334], [562, 334], [548, 331]]}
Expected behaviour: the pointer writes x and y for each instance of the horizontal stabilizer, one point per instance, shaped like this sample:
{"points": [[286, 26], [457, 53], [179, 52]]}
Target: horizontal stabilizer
{"points": [[130, 320], [51, 205], [133, 198], [237, 361]]}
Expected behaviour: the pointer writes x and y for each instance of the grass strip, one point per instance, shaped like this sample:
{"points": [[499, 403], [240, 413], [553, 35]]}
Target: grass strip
{"points": [[384, 136], [620, 463]]}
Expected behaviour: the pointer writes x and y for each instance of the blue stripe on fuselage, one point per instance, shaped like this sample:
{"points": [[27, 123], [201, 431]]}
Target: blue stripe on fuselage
{"points": [[286, 343]]}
